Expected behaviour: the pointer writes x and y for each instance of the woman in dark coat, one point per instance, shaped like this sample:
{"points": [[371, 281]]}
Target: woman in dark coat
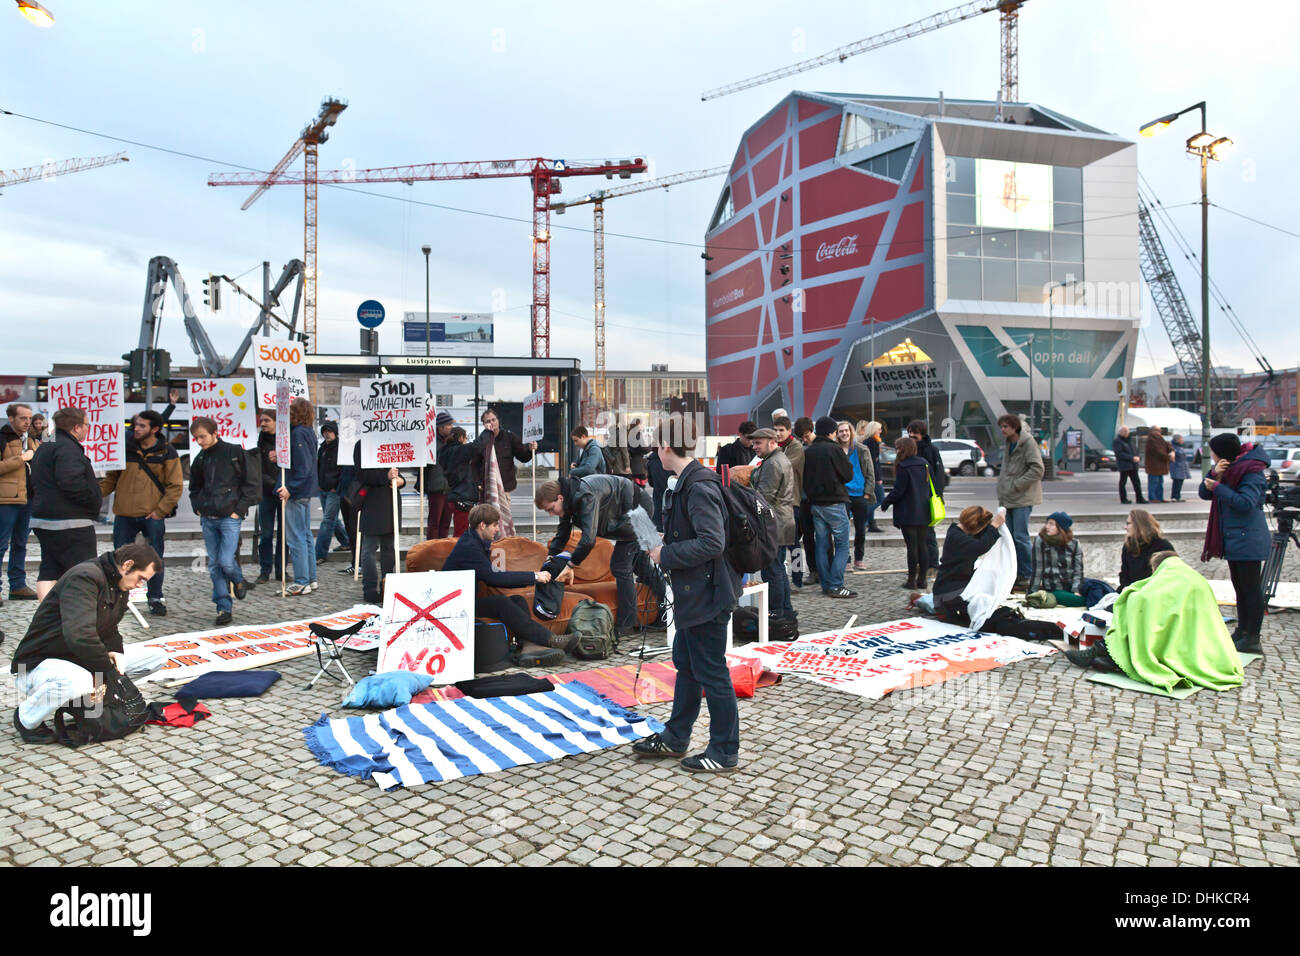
{"points": [[1142, 538], [1237, 530], [969, 539], [375, 523], [911, 494], [462, 490]]}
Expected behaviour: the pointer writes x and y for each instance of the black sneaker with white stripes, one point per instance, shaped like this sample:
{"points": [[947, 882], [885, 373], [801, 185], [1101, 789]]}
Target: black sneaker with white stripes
{"points": [[654, 746], [703, 763], [840, 593]]}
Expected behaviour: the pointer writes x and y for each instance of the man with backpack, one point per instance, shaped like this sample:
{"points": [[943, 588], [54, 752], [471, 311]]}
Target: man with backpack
{"points": [[145, 493], [601, 506], [705, 590], [223, 487], [774, 480], [73, 643], [535, 645]]}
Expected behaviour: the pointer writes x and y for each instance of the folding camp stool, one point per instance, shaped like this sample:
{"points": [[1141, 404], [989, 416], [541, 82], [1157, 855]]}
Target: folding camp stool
{"points": [[328, 651]]}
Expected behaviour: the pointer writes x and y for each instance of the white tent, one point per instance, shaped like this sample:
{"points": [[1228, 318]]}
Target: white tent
{"points": [[1172, 421]]}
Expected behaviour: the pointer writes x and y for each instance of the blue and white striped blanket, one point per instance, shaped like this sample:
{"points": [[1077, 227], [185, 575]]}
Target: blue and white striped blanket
{"points": [[419, 743]]}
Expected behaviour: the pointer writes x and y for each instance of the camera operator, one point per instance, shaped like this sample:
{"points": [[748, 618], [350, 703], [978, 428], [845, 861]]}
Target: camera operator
{"points": [[1237, 530]]}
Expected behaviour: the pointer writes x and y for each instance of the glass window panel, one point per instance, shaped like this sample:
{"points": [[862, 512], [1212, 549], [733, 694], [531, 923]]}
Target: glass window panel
{"points": [[1067, 183], [1033, 279], [898, 162], [961, 169], [1032, 244], [963, 241], [1067, 217], [1067, 271], [964, 279], [961, 209], [1067, 247], [999, 280], [1000, 243]]}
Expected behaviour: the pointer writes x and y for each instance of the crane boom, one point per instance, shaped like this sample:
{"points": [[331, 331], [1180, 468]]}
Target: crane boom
{"points": [[663, 182], [840, 54], [273, 176], [434, 172], [12, 177]]}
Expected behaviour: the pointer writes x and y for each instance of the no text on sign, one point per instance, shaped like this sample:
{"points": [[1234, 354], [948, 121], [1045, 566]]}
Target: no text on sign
{"points": [[370, 314]]}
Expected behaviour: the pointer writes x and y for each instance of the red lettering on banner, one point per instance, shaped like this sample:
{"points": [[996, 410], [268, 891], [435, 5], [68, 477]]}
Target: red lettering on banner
{"points": [[229, 653], [173, 646]]}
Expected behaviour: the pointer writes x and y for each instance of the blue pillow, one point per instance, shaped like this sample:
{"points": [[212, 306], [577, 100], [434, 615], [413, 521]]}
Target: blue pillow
{"points": [[216, 684], [389, 689]]}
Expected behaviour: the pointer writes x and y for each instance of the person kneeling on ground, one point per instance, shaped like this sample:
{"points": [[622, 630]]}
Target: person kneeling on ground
{"points": [[473, 552], [73, 639], [705, 590], [1058, 562], [600, 505], [1167, 631], [973, 536]]}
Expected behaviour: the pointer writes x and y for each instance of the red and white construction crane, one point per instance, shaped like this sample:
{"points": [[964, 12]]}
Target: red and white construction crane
{"points": [[597, 202], [544, 173], [1008, 9], [312, 135], [12, 177]]}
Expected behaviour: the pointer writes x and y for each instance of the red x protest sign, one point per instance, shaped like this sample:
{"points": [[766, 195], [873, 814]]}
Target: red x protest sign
{"points": [[425, 614]]}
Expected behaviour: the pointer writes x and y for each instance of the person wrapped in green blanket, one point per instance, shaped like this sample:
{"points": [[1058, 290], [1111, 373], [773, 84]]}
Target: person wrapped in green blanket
{"points": [[1167, 631]]}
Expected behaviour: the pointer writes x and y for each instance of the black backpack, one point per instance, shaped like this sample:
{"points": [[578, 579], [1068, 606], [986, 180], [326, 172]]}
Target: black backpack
{"points": [[122, 712], [751, 527]]}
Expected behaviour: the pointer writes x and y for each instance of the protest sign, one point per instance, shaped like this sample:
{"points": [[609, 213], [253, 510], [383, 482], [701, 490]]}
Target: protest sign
{"points": [[283, 445], [428, 625], [874, 660], [349, 423], [393, 422], [534, 407], [278, 360], [431, 433], [239, 648], [100, 397], [228, 402]]}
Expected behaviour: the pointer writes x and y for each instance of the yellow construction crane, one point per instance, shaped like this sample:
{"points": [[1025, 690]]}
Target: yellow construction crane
{"points": [[12, 177], [1008, 9], [597, 202], [312, 135]]}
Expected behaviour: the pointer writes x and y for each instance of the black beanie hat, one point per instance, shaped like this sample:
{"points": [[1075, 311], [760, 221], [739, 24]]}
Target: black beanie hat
{"points": [[825, 426], [1226, 445]]}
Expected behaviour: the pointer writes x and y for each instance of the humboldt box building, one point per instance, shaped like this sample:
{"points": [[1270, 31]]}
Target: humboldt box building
{"points": [[853, 229]]}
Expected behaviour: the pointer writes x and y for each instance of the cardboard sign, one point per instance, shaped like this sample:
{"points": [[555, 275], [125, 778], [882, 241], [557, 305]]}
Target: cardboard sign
{"points": [[100, 397], [278, 360], [534, 406], [428, 625], [349, 423], [283, 447], [229, 402], [393, 430], [431, 433]]}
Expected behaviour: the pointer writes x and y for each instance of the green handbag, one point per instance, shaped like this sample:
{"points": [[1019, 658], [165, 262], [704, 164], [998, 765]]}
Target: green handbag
{"points": [[937, 510]]}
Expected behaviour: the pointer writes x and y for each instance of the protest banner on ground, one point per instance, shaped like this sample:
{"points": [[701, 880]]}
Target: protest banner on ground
{"points": [[239, 648], [871, 661], [278, 360], [100, 397], [349, 423], [534, 410], [393, 427], [428, 625], [229, 402]]}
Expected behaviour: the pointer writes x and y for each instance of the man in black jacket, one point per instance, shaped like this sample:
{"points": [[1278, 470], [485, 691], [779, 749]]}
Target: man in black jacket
{"points": [[705, 590], [740, 451], [918, 432], [67, 499], [329, 474], [375, 524], [222, 489], [535, 645], [436, 484], [73, 640], [600, 506], [268, 507], [1126, 462], [826, 474]]}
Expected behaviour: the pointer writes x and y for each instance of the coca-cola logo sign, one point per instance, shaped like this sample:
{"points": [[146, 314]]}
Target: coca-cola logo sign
{"points": [[847, 246]]}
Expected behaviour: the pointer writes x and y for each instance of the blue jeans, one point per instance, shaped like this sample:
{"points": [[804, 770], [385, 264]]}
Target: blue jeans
{"points": [[221, 539], [124, 532], [778, 586], [1155, 487], [13, 538], [699, 654], [1018, 522], [1177, 493], [297, 529], [330, 524], [831, 522], [268, 545]]}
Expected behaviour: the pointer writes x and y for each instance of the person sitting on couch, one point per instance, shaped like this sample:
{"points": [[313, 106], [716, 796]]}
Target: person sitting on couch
{"points": [[535, 645]]}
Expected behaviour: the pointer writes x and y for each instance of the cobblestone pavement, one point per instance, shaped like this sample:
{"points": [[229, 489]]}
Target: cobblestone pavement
{"points": [[1023, 765]]}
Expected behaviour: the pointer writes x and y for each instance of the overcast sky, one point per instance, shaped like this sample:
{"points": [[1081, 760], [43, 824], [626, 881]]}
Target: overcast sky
{"points": [[236, 82]]}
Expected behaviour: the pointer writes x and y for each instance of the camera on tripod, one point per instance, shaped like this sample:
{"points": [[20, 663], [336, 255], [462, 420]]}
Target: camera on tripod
{"points": [[1285, 500]]}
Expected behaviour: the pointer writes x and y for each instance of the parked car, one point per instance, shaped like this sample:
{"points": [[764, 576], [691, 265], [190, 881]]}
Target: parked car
{"points": [[1285, 461], [888, 454], [1094, 460], [960, 456]]}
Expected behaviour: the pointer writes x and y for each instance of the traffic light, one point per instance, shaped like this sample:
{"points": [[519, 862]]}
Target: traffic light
{"points": [[212, 292], [162, 365], [135, 360]]}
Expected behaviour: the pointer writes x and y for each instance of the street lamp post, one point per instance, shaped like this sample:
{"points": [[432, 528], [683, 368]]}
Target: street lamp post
{"points": [[426, 250], [1051, 387], [1207, 147]]}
